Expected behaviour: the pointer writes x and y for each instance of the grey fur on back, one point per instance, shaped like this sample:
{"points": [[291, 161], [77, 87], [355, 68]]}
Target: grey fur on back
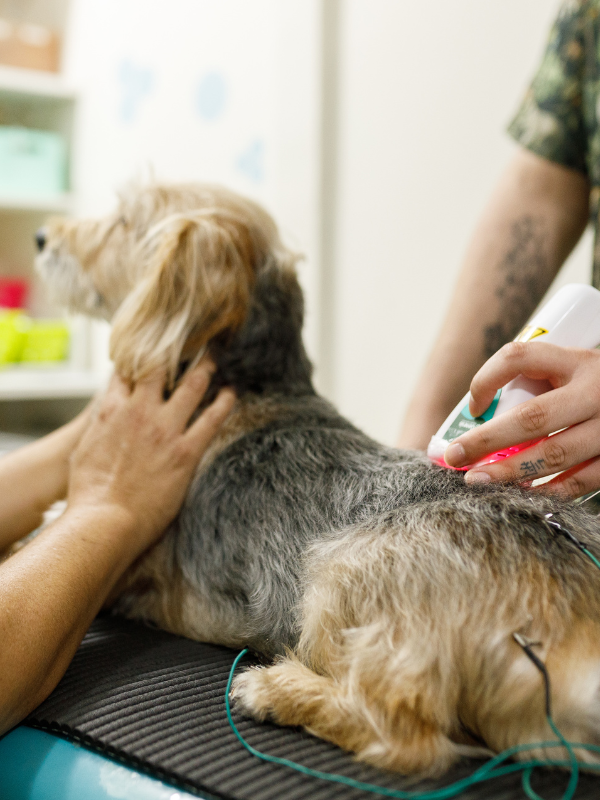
{"points": [[242, 537], [249, 520]]}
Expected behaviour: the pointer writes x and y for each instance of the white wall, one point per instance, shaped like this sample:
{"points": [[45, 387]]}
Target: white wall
{"points": [[212, 90], [426, 92], [387, 183]]}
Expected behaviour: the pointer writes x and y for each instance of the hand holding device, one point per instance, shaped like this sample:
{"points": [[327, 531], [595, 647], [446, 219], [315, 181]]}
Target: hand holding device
{"points": [[572, 407], [547, 388]]}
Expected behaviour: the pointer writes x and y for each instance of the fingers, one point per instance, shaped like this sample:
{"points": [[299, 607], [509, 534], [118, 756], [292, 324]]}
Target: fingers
{"points": [[537, 360], [526, 422], [187, 396], [202, 430], [148, 393], [105, 403], [575, 482], [150, 389], [117, 387], [555, 454]]}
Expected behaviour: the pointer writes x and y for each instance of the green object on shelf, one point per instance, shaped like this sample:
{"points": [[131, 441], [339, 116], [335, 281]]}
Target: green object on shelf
{"points": [[46, 341], [33, 163], [14, 327], [24, 339]]}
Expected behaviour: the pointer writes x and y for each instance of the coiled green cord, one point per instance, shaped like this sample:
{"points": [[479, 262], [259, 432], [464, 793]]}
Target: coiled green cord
{"points": [[491, 770]]}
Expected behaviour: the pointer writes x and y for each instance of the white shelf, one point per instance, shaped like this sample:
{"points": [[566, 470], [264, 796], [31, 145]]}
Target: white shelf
{"points": [[52, 203], [28, 82], [44, 383]]}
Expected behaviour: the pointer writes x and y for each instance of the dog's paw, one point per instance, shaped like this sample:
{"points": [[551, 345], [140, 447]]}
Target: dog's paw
{"points": [[250, 694]]}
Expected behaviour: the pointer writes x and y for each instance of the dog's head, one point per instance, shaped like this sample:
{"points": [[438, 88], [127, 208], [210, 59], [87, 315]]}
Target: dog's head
{"points": [[174, 268]]}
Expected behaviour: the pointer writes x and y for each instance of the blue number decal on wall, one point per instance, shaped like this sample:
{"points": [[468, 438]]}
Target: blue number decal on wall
{"points": [[211, 96], [135, 83], [251, 162]]}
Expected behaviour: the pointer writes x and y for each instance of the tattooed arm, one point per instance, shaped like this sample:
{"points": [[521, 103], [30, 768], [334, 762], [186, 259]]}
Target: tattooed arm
{"points": [[534, 219]]}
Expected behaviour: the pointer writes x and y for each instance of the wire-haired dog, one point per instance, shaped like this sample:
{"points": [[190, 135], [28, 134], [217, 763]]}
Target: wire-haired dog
{"points": [[387, 589]]}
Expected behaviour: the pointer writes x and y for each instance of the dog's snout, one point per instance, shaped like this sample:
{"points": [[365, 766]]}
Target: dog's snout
{"points": [[40, 238]]}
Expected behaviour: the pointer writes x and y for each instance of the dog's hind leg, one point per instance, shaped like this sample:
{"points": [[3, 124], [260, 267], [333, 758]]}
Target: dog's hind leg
{"points": [[508, 708], [289, 693]]}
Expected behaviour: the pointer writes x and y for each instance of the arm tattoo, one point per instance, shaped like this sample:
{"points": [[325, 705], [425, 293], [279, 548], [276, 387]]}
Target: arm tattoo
{"points": [[524, 271]]}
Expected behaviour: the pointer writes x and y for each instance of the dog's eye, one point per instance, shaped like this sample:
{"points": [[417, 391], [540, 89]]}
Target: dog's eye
{"points": [[123, 221]]}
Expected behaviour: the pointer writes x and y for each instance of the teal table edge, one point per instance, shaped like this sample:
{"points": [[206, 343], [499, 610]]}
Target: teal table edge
{"points": [[35, 765]]}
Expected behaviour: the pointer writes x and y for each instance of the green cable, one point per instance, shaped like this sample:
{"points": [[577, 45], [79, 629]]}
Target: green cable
{"points": [[574, 778], [484, 773], [489, 771], [526, 783], [591, 556]]}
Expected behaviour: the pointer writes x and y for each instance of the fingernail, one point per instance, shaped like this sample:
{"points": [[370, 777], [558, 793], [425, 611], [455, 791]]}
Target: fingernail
{"points": [[455, 454], [477, 477]]}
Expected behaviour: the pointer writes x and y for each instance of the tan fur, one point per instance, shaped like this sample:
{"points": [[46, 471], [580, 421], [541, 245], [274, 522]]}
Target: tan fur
{"points": [[406, 644], [248, 414], [155, 583], [158, 585], [175, 269], [395, 680]]}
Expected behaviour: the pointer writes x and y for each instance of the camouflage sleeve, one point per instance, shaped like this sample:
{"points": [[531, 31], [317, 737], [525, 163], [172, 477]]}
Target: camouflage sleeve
{"points": [[550, 120]]}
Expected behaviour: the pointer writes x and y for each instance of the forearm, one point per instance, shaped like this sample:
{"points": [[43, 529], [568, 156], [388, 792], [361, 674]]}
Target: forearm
{"points": [[50, 591], [128, 477], [533, 221], [37, 476]]}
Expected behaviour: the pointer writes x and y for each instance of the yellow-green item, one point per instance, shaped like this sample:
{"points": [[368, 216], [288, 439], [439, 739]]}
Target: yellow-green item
{"points": [[24, 339], [46, 341], [14, 327]]}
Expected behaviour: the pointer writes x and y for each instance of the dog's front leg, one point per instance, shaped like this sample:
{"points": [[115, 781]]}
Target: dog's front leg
{"points": [[290, 693]]}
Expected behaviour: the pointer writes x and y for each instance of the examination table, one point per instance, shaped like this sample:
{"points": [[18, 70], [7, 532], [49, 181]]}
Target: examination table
{"points": [[140, 715]]}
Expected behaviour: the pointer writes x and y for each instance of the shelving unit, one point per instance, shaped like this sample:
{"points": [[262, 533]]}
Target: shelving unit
{"points": [[56, 204], [42, 101], [31, 82], [46, 382]]}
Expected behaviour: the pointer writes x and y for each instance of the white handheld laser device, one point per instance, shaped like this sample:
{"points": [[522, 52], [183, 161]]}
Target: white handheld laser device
{"points": [[572, 319]]}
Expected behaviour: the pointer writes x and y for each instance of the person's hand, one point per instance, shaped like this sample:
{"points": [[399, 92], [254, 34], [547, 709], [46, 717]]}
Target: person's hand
{"points": [[573, 403], [138, 454]]}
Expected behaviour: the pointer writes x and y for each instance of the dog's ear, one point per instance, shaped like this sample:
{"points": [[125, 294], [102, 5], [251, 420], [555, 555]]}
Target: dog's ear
{"points": [[197, 272]]}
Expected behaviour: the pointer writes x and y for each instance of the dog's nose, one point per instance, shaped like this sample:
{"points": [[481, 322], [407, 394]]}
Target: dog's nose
{"points": [[40, 238]]}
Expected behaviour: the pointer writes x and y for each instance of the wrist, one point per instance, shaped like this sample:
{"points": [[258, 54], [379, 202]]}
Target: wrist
{"points": [[109, 526]]}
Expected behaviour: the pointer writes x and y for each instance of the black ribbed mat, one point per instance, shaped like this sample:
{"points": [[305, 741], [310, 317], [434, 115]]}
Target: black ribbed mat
{"points": [[156, 702]]}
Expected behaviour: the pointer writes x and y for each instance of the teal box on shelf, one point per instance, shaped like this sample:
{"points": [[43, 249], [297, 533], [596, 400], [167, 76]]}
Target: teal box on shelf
{"points": [[32, 163]]}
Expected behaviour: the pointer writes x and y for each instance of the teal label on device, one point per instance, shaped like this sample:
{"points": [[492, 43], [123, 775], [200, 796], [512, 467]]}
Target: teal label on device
{"points": [[465, 421]]}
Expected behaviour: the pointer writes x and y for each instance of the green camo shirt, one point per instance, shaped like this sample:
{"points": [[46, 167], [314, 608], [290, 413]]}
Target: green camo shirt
{"points": [[558, 118]]}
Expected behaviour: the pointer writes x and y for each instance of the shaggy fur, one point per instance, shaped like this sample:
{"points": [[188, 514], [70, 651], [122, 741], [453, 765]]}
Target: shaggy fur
{"points": [[385, 588]]}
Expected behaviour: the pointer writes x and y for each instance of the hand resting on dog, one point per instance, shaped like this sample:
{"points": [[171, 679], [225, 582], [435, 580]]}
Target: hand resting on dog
{"points": [[131, 460]]}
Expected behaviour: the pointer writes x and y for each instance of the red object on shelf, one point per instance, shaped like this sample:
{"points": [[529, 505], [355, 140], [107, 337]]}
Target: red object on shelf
{"points": [[13, 292]]}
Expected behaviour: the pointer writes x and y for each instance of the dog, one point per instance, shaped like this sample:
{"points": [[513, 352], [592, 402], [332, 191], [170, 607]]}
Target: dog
{"points": [[383, 591]]}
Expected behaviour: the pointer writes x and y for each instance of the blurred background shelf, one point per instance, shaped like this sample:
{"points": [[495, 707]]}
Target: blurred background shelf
{"points": [[45, 205], [38, 107], [34, 83], [314, 127], [47, 382]]}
